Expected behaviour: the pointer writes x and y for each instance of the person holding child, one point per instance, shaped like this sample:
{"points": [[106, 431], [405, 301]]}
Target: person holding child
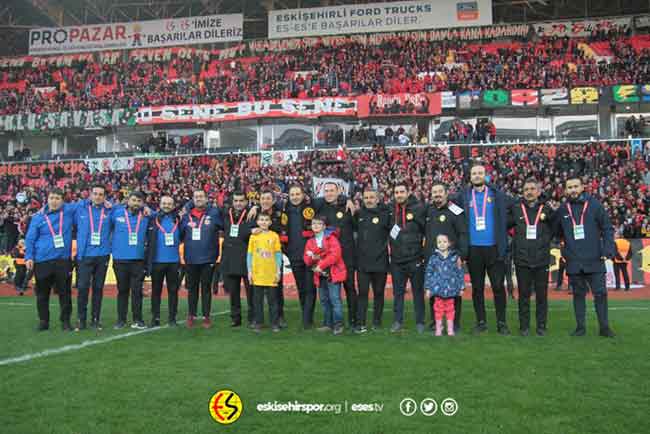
{"points": [[443, 280], [323, 255]]}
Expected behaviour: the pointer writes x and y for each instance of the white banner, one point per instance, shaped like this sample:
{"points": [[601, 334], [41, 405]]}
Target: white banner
{"points": [[318, 185], [137, 34], [112, 164], [581, 28], [379, 17], [278, 158], [448, 99]]}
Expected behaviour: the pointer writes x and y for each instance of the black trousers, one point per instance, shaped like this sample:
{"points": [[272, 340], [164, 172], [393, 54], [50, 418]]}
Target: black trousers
{"points": [[53, 274], [279, 293], [304, 278], [560, 274], [484, 260], [351, 295], [91, 273], [401, 274], [199, 276], [581, 283], [621, 268], [378, 282], [232, 284], [531, 279], [458, 308], [508, 268], [20, 281], [129, 276], [164, 272], [258, 304]]}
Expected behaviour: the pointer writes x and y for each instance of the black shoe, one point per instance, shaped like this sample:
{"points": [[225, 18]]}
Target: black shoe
{"points": [[361, 330], [172, 323], [524, 332], [42, 326], [578, 332], [139, 325], [480, 327], [541, 331], [155, 323], [607, 333], [503, 329], [282, 323], [432, 325], [456, 328], [66, 326], [119, 325], [81, 325]]}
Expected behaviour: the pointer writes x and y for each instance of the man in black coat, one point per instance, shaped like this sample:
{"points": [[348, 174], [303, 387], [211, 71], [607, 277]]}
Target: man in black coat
{"points": [[372, 224], [588, 241], [531, 246], [295, 222], [407, 257], [236, 232], [486, 208], [445, 218]]}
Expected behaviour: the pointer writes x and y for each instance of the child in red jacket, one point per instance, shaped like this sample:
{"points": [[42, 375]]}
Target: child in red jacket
{"points": [[323, 255]]}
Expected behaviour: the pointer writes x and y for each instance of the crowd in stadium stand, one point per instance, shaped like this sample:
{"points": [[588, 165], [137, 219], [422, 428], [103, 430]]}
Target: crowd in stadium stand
{"points": [[620, 182], [399, 65]]}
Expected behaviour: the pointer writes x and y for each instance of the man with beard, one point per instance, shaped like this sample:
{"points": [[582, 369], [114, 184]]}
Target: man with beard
{"points": [[372, 224], [200, 226], [486, 209], [233, 268], [269, 207], [445, 218], [163, 259], [588, 241], [129, 226], [295, 221], [337, 212], [407, 259], [532, 221]]}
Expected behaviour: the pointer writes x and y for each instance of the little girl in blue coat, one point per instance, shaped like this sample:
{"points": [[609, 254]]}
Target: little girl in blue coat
{"points": [[444, 280]]}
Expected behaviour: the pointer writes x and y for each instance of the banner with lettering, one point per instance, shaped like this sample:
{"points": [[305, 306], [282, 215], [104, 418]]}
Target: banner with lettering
{"points": [[109, 164], [94, 119], [401, 104], [137, 34]]}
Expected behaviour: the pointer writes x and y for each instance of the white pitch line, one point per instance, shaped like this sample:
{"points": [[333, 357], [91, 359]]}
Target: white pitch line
{"points": [[10, 303], [85, 344]]}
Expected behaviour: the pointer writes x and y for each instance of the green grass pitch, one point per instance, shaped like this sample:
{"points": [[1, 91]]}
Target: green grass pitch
{"points": [[161, 381]]}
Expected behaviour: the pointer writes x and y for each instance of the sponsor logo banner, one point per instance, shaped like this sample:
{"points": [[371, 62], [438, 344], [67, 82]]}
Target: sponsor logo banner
{"points": [[378, 17], [137, 34]]}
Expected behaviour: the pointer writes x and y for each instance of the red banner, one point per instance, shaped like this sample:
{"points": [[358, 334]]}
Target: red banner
{"points": [[36, 170], [284, 108], [401, 104]]}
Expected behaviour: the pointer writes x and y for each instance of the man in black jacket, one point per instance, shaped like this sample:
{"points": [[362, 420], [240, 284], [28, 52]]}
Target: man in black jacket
{"points": [[486, 210], [295, 221], [588, 242], [372, 224], [407, 261], [531, 246], [336, 209], [445, 218], [236, 232]]}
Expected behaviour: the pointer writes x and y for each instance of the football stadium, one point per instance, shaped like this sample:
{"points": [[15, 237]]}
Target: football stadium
{"points": [[324, 216]]}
